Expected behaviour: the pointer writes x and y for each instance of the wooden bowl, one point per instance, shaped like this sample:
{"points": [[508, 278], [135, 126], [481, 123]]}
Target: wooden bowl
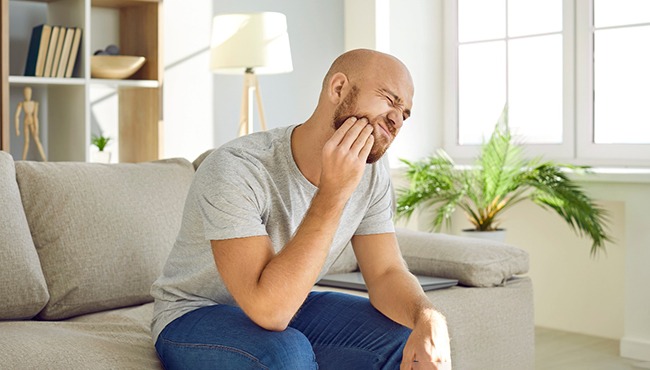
{"points": [[114, 66]]}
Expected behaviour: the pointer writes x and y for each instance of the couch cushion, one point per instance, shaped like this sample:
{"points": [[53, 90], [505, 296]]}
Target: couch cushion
{"points": [[102, 232], [23, 292], [115, 339], [473, 262]]}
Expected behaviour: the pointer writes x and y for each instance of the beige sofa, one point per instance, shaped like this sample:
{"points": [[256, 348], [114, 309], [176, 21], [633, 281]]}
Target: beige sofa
{"points": [[81, 243]]}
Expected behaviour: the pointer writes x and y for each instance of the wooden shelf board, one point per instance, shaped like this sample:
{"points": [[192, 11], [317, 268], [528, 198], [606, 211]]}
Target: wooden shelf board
{"points": [[102, 3], [26, 80], [35, 1], [125, 83], [120, 3], [29, 80]]}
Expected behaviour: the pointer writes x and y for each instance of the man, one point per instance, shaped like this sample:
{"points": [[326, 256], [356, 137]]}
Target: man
{"points": [[265, 218]]}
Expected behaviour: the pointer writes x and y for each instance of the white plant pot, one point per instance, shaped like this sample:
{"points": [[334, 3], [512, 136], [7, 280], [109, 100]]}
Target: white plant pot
{"points": [[100, 157], [498, 235]]}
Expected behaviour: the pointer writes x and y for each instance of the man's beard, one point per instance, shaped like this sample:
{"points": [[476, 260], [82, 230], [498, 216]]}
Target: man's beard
{"points": [[348, 108]]}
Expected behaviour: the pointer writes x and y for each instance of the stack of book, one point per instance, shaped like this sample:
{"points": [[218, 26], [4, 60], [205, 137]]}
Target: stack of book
{"points": [[53, 51]]}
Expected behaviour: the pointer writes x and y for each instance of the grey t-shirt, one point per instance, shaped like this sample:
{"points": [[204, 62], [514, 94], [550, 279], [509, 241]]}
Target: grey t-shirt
{"points": [[251, 186]]}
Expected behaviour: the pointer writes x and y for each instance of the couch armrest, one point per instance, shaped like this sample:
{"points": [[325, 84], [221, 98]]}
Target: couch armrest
{"points": [[473, 262]]}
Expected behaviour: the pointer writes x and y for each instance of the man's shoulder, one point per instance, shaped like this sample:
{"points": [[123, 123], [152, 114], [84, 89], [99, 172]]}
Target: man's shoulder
{"points": [[261, 141], [250, 149]]}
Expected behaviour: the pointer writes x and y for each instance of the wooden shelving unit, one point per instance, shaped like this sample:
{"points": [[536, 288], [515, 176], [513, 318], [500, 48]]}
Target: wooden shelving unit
{"points": [[68, 117]]}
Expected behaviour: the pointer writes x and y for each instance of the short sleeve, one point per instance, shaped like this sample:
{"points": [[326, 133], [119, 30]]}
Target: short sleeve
{"points": [[229, 197], [379, 216]]}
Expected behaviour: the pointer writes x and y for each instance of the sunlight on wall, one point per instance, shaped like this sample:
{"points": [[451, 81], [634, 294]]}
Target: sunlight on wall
{"points": [[421, 134], [187, 89]]}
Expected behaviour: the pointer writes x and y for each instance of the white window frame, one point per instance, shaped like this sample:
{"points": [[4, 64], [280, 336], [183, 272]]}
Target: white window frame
{"points": [[578, 103], [589, 152]]}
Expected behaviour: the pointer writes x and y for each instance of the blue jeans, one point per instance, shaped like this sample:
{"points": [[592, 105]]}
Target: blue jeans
{"points": [[330, 331]]}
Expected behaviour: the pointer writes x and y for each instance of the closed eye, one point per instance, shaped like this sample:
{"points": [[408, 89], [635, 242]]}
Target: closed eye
{"points": [[396, 102], [405, 113]]}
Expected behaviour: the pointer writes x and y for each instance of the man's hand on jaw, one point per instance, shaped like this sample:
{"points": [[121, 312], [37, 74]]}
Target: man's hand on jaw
{"points": [[344, 157]]}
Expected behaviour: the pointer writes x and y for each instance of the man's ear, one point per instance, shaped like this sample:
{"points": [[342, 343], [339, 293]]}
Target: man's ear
{"points": [[337, 84]]}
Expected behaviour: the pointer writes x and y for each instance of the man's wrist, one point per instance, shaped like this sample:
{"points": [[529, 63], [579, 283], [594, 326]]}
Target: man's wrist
{"points": [[332, 198], [431, 316]]}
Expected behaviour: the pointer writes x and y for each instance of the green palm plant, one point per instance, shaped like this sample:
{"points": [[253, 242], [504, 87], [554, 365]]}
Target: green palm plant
{"points": [[500, 179]]}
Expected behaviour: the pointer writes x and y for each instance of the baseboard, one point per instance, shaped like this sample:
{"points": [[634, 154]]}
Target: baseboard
{"points": [[638, 349]]}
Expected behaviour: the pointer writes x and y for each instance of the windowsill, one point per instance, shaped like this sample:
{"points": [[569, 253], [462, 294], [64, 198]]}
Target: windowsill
{"points": [[615, 175], [622, 175]]}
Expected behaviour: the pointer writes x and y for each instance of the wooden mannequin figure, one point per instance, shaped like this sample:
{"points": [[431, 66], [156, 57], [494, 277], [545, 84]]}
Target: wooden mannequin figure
{"points": [[31, 122]]}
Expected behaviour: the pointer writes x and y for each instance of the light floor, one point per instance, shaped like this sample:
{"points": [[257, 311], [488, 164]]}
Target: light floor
{"points": [[558, 350]]}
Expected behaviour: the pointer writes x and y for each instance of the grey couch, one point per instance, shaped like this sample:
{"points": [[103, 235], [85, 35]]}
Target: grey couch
{"points": [[81, 243]]}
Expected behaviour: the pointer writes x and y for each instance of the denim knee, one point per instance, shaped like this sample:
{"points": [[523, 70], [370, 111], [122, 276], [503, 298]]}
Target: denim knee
{"points": [[289, 349], [223, 337], [286, 350]]}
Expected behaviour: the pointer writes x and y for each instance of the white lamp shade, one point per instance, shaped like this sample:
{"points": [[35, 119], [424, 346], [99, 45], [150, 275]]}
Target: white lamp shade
{"points": [[258, 41]]}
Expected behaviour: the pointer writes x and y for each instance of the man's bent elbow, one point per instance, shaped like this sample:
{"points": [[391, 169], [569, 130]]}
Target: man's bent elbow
{"points": [[272, 321]]}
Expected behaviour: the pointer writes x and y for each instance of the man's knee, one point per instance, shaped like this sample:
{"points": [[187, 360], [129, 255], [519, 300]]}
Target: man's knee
{"points": [[289, 349]]}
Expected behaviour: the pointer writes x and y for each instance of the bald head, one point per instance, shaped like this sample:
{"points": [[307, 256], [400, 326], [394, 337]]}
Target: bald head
{"points": [[361, 64]]}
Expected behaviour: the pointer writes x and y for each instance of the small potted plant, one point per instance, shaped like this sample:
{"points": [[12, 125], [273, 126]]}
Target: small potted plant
{"points": [[100, 142], [500, 179]]}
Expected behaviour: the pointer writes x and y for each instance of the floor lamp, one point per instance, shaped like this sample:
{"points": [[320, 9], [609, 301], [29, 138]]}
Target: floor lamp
{"points": [[251, 44]]}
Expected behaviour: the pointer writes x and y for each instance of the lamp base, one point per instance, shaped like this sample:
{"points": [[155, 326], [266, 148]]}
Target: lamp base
{"points": [[250, 93]]}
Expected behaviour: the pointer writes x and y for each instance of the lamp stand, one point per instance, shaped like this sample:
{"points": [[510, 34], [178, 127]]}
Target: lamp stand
{"points": [[251, 86]]}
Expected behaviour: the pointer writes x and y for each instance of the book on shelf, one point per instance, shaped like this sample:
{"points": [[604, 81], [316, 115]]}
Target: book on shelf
{"points": [[65, 52], [51, 49], [74, 52], [57, 52], [37, 51]]}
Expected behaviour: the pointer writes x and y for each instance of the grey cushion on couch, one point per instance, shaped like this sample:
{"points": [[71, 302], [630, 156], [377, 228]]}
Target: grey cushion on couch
{"points": [[114, 339], [474, 262], [102, 232], [23, 292]]}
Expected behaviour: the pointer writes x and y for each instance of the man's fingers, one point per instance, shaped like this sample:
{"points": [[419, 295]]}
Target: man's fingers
{"points": [[353, 133], [339, 134], [367, 147], [362, 140]]}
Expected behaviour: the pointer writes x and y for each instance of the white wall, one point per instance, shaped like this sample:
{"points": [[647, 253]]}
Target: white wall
{"points": [[416, 38], [188, 95], [412, 31], [201, 109]]}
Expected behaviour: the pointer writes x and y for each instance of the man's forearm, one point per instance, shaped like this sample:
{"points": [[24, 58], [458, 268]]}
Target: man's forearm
{"points": [[290, 275], [398, 295]]}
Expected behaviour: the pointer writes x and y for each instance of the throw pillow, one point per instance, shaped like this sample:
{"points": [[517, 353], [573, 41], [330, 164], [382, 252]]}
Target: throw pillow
{"points": [[473, 262], [102, 232]]}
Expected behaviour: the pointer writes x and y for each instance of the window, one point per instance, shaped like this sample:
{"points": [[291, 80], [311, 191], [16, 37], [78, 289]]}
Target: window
{"points": [[574, 74]]}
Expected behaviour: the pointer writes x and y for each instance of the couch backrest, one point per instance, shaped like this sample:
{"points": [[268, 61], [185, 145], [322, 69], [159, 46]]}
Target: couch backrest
{"points": [[23, 292], [102, 232]]}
